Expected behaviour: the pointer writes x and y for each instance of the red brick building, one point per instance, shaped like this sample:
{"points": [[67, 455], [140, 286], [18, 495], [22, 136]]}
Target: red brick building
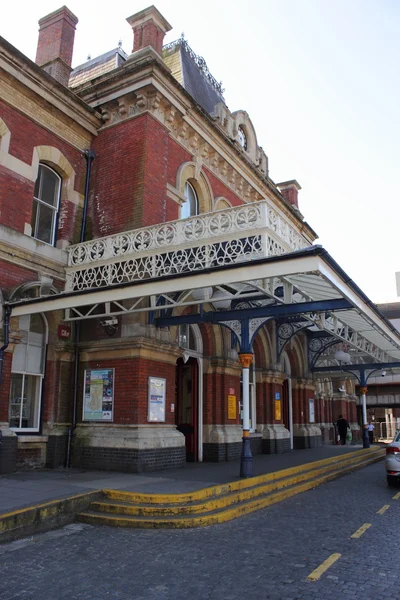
{"points": [[161, 296]]}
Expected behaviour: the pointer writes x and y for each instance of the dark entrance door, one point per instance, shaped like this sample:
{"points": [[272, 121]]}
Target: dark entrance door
{"points": [[285, 404], [187, 404]]}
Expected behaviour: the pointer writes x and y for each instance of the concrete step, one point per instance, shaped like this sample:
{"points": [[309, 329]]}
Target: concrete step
{"points": [[217, 504]]}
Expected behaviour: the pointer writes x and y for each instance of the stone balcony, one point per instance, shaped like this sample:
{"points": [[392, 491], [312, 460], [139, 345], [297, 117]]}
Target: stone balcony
{"points": [[212, 239]]}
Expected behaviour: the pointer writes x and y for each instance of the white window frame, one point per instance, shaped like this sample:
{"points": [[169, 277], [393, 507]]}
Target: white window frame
{"points": [[55, 208], [39, 376], [24, 375]]}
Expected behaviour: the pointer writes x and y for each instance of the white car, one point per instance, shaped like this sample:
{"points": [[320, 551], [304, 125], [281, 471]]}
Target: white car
{"points": [[392, 460]]}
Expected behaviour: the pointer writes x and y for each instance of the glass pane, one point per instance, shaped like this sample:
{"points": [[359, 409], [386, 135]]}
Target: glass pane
{"points": [[36, 342], [49, 188], [30, 408], [44, 224], [190, 207], [183, 336], [15, 399], [36, 324], [19, 357]]}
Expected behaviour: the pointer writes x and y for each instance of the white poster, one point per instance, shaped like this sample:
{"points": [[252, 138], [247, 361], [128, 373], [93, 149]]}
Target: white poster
{"points": [[98, 395], [311, 410], [156, 410]]}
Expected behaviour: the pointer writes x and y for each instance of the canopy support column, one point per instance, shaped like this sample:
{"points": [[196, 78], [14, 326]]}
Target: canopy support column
{"points": [[246, 459], [363, 392]]}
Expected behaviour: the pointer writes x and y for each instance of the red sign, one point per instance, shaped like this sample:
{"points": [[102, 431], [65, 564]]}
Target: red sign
{"points": [[64, 332], [231, 391]]}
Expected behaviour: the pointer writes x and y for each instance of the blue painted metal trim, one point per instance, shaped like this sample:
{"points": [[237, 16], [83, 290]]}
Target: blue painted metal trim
{"points": [[262, 311], [362, 375], [297, 325]]}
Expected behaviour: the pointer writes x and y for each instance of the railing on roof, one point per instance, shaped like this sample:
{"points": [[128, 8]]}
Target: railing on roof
{"points": [[212, 239]]}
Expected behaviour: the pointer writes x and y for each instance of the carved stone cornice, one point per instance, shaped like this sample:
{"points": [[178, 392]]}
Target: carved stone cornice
{"points": [[273, 377]]}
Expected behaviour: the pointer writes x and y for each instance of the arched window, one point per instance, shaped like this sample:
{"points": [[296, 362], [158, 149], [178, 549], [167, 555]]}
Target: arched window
{"points": [[186, 338], [190, 207], [242, 137], [45, 205], [27, 374]]}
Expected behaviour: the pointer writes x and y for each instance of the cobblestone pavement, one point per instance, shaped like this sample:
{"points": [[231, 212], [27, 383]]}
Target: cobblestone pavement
{"points": [[266, 555]]}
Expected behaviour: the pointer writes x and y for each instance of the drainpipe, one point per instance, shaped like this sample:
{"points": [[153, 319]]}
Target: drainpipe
{"points": [[7, 315], [90, 156]]}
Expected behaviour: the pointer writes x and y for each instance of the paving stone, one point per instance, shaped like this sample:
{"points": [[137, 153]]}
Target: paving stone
{"points": [[265, 555]]}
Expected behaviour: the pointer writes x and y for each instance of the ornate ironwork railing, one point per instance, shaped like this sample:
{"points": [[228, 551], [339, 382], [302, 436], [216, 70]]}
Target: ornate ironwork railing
{"points": [[218, 238]]}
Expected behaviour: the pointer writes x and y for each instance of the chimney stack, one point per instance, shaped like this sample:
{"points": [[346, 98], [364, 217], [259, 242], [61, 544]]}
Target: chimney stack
{"points": [[289, 190], [56, 43], [149, 28]]}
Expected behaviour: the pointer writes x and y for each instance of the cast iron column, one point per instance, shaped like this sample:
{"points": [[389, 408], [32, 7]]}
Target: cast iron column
{"points": [[363, 391], [246, 459]]}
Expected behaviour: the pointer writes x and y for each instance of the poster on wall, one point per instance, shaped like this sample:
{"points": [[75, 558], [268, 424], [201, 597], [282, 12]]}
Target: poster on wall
{"points": [[232, 407], [156, 409], [278, 410], [311, 410], [98, 395]]}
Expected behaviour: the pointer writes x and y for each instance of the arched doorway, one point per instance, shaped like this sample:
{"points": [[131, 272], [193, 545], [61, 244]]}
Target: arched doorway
{"points": [[189, 391], [186, 412]]}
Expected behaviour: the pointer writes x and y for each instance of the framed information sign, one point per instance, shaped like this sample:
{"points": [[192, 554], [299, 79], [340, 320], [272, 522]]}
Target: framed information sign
{"points": [[156, 402], [232, 406], [98, 395], [278, 410]]}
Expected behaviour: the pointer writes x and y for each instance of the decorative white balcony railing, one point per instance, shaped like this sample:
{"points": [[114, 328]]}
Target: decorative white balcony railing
{"points": [[211, 239]]}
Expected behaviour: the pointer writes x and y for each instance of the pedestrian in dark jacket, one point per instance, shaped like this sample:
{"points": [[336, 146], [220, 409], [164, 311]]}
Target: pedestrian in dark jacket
{"points": [[342, 426]]}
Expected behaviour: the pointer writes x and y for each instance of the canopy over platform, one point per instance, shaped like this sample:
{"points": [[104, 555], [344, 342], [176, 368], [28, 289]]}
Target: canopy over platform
{"points": [[306, 283]]}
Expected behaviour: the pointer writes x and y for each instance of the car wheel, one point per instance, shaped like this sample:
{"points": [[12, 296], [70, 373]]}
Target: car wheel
{"points": [[391, 480]]}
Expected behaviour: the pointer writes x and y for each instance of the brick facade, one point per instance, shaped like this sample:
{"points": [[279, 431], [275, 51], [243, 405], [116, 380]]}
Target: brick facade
{"points": [[136, 181]]}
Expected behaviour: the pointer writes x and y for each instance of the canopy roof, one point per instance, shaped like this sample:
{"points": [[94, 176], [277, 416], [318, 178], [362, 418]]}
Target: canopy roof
{"points": [[307, 282]]}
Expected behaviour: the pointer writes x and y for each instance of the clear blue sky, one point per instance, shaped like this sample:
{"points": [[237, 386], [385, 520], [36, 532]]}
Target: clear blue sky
{"points": [[320, 81]]}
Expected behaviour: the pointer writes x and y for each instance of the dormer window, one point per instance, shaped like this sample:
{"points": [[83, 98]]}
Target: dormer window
{"points": [[242, 138]]}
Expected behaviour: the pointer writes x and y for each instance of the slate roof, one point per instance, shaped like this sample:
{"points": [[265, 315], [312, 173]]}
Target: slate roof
{"points": [[97, 66], [189, 70], [192, 73]]}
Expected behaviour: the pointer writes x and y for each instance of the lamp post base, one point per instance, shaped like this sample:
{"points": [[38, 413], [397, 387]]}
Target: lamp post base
{"points": [[246, 459], [366, 443]]}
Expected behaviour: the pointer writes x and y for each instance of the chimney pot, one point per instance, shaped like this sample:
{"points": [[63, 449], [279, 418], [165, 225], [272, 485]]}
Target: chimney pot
{"points": [[149, 29], [56, 43]]}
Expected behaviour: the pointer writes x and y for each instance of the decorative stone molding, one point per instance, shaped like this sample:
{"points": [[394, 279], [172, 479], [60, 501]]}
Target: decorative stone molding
{"points": [[137, 437], [273, 377], [182, 128], [273, 431], [222, 434]]}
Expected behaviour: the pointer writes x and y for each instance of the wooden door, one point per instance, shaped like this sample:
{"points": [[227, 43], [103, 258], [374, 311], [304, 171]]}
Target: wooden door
{"points": [[186, 415]]}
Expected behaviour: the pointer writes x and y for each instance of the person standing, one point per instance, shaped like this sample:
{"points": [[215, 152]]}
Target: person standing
{"points": [[342, 426], [371, 432]]}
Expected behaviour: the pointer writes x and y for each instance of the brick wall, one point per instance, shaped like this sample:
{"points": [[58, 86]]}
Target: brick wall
{"points": [[16, 192], [131, 387]]}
